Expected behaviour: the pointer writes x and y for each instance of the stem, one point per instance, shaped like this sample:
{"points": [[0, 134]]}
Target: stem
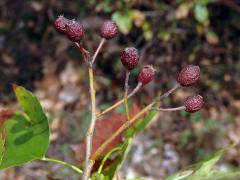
{"points": [[170, 109], [119, 131], [121, 101], [84, 52], [75, 168], [170, 91], [106, 157], [92, 123], [98, 49], [126, 94]]}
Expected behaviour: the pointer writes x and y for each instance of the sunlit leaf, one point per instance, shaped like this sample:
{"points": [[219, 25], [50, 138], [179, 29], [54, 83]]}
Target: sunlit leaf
{"points": [[201, 13]]}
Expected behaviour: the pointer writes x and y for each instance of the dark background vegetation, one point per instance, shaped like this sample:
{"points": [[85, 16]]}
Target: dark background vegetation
{"points": [[169, 34]]}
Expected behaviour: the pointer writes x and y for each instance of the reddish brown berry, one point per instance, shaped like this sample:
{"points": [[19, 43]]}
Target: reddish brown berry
{"points": [[193, 103], [75, 31], [61, 24], [189, 75], [109, 30], [130, 57], [146, 75]]}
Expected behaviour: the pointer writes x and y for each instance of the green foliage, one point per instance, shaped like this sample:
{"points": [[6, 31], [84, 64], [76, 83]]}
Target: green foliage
{"points": [[204, 170], [27, 134], [2, 148], [122, 153], [201, 13], [98, 176], [123, 20]]}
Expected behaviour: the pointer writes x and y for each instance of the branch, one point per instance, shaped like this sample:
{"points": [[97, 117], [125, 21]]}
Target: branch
{"points": [[121, 101], [75, 168], [118, 132], [93, 114], [170, 91], [98, 49], [170, 109], [126, 94], [92, 124]]}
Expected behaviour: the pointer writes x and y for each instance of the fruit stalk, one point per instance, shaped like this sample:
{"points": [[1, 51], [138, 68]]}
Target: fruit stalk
{"points": [[92, 123], [170, 91], [126, 94], [170, 109], [115, 105], [98, 49]]}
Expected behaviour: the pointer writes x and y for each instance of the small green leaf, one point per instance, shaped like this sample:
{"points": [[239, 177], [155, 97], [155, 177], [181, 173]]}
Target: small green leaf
{"points": [[207, 164], [27, 134], [97, 176], [212, 37], [141, 124], [201, 13], [180, 175], [124, 21], [118, 161]]}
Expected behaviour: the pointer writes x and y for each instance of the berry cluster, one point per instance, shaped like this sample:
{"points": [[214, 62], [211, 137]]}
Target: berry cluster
{"points": [[74, 30], [129, 56], [71, 28], [189, 76]]}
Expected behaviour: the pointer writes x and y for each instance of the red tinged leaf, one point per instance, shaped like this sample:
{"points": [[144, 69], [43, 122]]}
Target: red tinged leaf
{"points": [[14, 87], [6, 114], [103, 130], [3, 135]]}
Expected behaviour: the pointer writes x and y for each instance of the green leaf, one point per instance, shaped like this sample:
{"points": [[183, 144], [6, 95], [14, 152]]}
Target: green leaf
{"points": [[2, 144], [27, 134], [123, 20], [204, 170], [207, 164], [229, 175], [201, 13], [141, 124], [97, 176], [119, 159], [180, 175]]}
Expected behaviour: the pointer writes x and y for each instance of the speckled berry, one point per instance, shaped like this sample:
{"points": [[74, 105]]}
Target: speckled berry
{"points": [[75, 31], [189, 75], [146, 75], [60, 24], [193, 103], [109, 30], [129, 57]]}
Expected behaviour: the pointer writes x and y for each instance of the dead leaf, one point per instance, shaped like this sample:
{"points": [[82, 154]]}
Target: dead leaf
{"points": [[103, 130]]}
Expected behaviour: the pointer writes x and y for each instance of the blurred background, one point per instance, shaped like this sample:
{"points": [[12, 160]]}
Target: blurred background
{"points": [[169, 34]]}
